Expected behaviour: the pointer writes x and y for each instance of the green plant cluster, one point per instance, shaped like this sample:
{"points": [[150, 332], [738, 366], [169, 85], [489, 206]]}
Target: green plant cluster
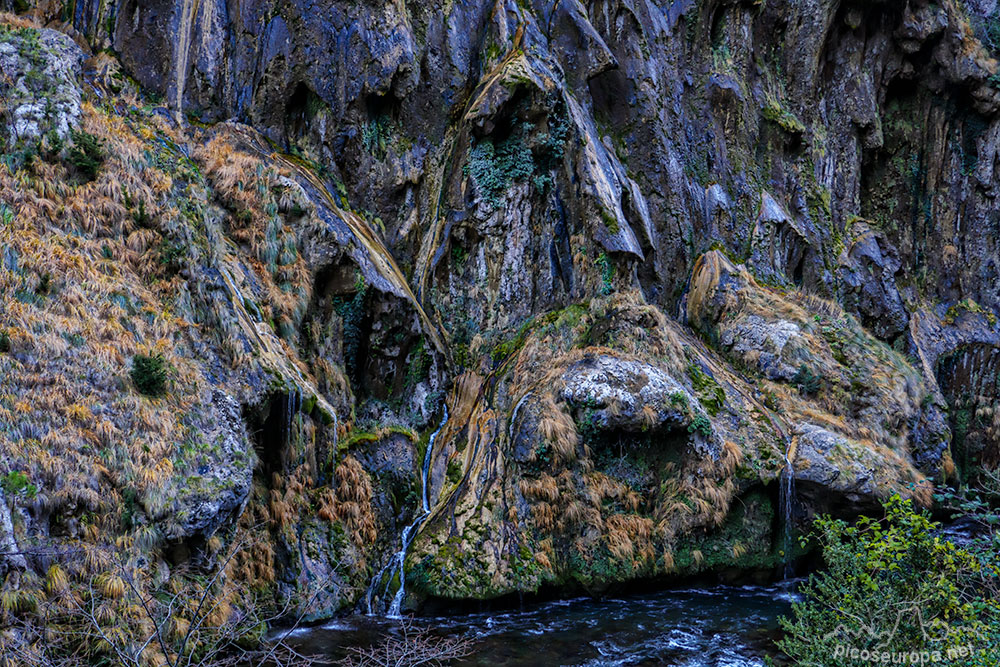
{"points": [[783, 118], [149, 374], [701, 425], [894, 586], [969, 306], [495, 165], [86, 154], [375, 134], [607, 270], [16, 483], [710, 394], [352, 312], [454, 473], [807, 382]]}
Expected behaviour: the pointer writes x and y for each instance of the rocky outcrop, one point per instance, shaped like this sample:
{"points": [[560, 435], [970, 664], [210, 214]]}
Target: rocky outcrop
{"points": [[218, 490], [834, 474], [641, 252], [821, 359], [39, 81], [625, 395]]}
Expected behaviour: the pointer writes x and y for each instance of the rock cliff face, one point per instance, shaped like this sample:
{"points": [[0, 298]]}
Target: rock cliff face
{"points": [[650, 256]]}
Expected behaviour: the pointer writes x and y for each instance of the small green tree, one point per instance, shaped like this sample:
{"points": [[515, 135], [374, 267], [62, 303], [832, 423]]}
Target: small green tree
{"points": [[807, 382], [892, 586], [149, 374], [86, 154]]}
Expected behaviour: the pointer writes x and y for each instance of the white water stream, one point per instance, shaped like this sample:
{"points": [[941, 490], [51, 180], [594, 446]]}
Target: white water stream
{"points": [[787, 502], [383, 580]]}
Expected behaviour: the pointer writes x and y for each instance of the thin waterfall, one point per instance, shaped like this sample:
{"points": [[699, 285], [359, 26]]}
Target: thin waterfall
{"points": [[787, 503], [394, 567], [293, 403], [513, 417]]}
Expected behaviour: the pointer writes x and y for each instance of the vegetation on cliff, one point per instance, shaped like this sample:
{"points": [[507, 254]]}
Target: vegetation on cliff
{"points": [[656, 263]]}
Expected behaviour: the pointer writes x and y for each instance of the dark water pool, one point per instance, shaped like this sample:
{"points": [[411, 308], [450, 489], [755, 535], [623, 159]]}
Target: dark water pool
{"points": [[721, 626]]}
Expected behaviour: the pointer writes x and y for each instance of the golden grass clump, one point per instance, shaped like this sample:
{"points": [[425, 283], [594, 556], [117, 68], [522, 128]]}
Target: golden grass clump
{"points": [[19, 21], [353, 504], [628, 537], [544, 488], [559, 430]]}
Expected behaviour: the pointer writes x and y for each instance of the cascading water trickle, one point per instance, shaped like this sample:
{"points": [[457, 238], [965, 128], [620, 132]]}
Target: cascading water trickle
{"points": [[394, 567], [787, 502], [293, 403]]}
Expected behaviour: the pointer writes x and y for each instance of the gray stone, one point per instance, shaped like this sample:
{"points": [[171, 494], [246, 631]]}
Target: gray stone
{"points": [[39, 79]]}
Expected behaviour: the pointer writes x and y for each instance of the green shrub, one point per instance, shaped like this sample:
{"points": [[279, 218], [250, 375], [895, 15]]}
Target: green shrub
{"points": [[86, 154], [607, 270], [496, 167], [454, 473], [375, 135], [892, 586], [149, 374], [807, 382], [4, 342], [16, 483], [701, 424], [352, 313]]}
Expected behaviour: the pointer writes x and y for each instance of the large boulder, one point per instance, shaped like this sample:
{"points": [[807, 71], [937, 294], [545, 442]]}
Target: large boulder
{"points": [[835, 474]]}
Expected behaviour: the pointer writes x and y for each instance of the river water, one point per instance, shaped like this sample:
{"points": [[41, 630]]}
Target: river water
{"points": [[718, 626]]}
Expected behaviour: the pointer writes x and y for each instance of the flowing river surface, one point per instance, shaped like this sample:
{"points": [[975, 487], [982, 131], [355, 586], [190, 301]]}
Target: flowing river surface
{"points": [[724, 626]]}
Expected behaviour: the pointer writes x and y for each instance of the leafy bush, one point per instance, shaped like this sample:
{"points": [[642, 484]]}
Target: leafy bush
{"points": [[807, 382], [495, 165], [454, 473], [4, 342], [87, 154], [895, 587], [702, 425], [16, 483], [149, 374], [494, 168]]}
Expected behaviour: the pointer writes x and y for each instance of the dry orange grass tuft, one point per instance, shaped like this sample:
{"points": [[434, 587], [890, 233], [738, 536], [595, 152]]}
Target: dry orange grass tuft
{"points": [[559, 430], [353, 504], [543, 488]]}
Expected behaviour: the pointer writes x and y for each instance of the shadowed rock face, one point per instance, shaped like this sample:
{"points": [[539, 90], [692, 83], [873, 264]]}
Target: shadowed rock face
{"points": [[642, 251], [800, 136]]}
